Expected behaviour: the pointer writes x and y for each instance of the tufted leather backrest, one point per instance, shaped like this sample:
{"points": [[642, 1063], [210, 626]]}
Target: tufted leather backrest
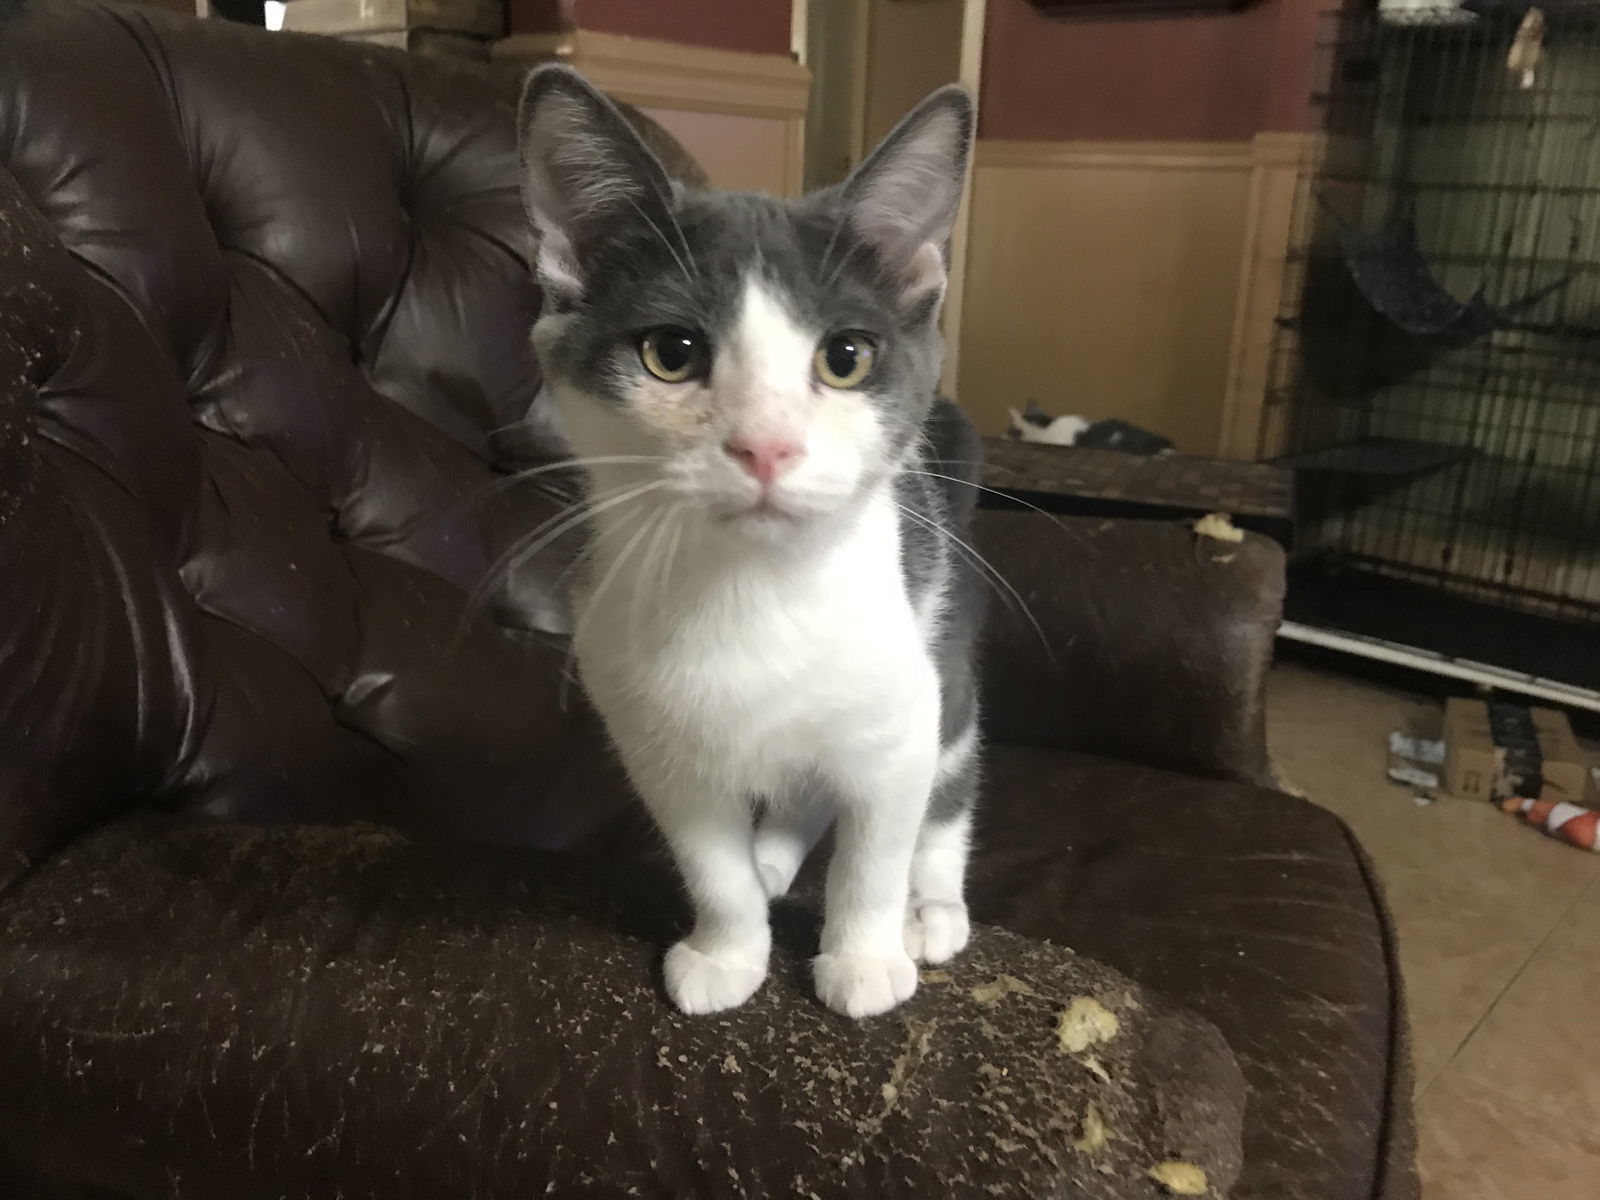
{"points": [[263, 355]]}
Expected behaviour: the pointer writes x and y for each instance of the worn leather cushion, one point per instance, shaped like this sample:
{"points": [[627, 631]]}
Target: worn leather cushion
{"points": [[1253, 908], [204, 1009]]}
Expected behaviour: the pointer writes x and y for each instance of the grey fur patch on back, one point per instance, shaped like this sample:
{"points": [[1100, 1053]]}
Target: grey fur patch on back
{"points": [[950, 448], [937, 498]]}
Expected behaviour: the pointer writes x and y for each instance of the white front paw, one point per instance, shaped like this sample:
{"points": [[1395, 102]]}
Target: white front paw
{"points": [[863, 985], [707, 983], [936, 930]]}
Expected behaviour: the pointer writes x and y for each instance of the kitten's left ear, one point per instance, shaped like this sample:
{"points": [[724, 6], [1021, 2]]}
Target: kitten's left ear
{"points": [[903, 199]]}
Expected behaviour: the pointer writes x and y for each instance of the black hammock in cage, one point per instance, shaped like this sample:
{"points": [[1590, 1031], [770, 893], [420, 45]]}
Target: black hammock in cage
{"points": [[1395, 278]]}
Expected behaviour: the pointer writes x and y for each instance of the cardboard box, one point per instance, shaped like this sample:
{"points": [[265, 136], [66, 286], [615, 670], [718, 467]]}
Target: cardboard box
{"points": [[1565, 769], [1471, 762], [1475, 768]]}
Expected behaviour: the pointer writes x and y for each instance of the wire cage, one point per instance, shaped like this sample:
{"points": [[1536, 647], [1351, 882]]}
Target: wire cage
{"points": [[1436, 382]]}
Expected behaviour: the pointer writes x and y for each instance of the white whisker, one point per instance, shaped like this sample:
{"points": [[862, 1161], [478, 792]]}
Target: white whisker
{"points": [[672, 552], [568, 675], [656, 229], [827, 251], [989, 572], [537, 539], [621, 560], [604, 503], [592, 460], [683, 240], [503, 483], [642, 578], [1051, 517], [839, 267]]}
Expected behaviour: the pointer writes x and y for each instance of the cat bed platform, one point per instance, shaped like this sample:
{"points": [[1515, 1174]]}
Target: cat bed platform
{"points": [[1087, 482]]}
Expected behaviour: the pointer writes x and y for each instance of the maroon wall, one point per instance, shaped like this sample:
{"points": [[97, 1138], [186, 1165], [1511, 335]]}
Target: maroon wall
{"points": [[1161, 77], [761, 26], [538, 16], [1300, 26]]}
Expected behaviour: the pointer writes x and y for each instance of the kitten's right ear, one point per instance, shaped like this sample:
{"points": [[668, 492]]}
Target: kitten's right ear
{"points": [[584, 173]]}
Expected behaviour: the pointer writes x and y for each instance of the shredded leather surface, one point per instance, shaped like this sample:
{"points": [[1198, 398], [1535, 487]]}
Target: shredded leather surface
{"points": [[337, 1011]]}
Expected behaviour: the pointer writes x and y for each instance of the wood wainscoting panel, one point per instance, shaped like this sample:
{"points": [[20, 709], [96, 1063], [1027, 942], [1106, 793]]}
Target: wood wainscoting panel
{"points": [[1102, 280], [741, 115], [743, 153], [1280, 170]]}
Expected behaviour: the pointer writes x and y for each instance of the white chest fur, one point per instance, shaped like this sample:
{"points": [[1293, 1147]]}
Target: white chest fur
{"points": [[750, 667]]}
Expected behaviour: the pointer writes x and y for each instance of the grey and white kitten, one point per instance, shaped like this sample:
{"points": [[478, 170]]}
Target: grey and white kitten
{"points": [[778, 615]]}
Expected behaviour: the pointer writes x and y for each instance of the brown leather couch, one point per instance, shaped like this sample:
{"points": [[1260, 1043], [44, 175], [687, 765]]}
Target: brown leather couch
{"points": [[263, 382]]}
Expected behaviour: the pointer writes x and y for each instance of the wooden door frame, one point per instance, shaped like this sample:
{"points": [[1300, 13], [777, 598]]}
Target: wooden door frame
{"points": [[968, 71]]}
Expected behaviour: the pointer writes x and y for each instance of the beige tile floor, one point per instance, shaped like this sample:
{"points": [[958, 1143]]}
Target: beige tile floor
{"points": [[1499, 945]]}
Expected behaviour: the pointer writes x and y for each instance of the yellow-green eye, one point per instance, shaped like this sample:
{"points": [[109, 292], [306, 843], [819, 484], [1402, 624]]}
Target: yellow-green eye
{"points": [[844, 360], [672, 354]]}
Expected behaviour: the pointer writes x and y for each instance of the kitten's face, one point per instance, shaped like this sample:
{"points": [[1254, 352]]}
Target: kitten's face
{"points": [[762, 363], [773, 379]]}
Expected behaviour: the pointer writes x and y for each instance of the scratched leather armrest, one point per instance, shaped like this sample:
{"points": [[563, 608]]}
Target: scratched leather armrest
{"points": [[1136, 640]]}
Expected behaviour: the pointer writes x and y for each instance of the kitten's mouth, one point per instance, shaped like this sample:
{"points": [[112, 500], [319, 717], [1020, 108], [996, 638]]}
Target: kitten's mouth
{"points": [[766, 511]]}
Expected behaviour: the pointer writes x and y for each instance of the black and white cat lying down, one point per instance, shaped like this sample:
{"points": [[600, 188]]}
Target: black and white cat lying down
{"points": [[778, 612]]}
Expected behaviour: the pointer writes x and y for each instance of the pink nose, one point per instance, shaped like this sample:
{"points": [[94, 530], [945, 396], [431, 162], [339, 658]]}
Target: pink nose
{"points": [[764, 458]]}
